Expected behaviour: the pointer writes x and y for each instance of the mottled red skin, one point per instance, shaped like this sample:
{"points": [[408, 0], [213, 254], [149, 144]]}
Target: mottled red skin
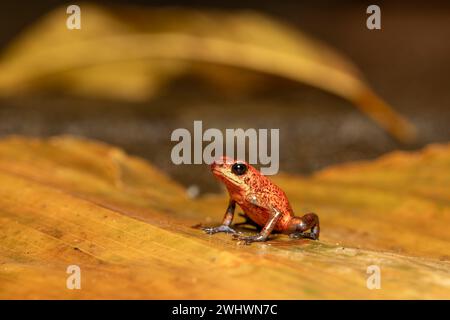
{"points": [[268, 195], [264, 203]]}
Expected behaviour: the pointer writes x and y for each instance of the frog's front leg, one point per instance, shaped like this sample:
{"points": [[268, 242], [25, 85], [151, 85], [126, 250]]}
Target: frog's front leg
{"points": [[227, 219], [268, 228]]}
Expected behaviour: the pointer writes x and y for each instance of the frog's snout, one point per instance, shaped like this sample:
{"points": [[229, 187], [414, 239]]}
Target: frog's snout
{"points": [[215, 166], [222, 161]]}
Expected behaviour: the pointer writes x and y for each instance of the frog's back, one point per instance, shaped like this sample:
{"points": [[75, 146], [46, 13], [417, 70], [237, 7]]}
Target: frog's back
{"points": [[269, 195]]}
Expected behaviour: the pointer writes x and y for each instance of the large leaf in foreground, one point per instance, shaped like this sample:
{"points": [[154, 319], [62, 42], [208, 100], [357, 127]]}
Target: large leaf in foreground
{"points": [[66, 201]]}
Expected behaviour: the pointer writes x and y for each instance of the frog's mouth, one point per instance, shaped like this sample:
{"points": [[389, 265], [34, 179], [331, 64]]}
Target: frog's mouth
{"points": [[225, 177]]}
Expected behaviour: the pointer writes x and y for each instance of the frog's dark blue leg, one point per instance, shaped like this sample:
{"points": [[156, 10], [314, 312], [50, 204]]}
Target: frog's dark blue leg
{"points": [[227, 219], [299, 225]]}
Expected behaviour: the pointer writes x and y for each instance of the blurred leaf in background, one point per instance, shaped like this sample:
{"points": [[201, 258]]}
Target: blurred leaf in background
{"points": [[131, 54]]}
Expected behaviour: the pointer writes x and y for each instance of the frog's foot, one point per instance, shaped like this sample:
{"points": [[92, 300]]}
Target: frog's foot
{"points": [[221, 228], [299, 225], [249, 239], [305, 235]]}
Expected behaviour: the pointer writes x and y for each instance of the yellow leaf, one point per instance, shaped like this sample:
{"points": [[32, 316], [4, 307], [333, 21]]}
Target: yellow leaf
{"points": [[69, 201], [129, 53]]}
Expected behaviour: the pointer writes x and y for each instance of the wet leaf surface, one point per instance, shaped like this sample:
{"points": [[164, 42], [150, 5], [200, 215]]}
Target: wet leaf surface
{"points": [[67, 200]]}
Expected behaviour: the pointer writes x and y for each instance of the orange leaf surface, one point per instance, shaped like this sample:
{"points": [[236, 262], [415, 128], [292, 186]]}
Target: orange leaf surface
{"points": [[69, 201]]}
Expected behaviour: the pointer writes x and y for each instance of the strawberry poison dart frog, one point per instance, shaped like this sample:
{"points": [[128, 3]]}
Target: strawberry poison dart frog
{"points": [[263, 203]]}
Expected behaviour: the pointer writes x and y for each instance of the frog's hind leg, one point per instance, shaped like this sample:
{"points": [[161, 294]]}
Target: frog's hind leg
{"points": [[299, 225]]}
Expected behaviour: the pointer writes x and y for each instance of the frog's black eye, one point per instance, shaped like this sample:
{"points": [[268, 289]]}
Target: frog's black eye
{"points": [[239, 169]]}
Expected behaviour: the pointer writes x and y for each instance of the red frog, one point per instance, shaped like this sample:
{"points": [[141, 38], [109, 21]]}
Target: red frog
{"points": [[263, 203]]}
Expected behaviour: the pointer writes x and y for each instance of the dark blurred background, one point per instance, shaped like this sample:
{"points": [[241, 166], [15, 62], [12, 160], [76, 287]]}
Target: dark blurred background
{"points": [[407, 63]]}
